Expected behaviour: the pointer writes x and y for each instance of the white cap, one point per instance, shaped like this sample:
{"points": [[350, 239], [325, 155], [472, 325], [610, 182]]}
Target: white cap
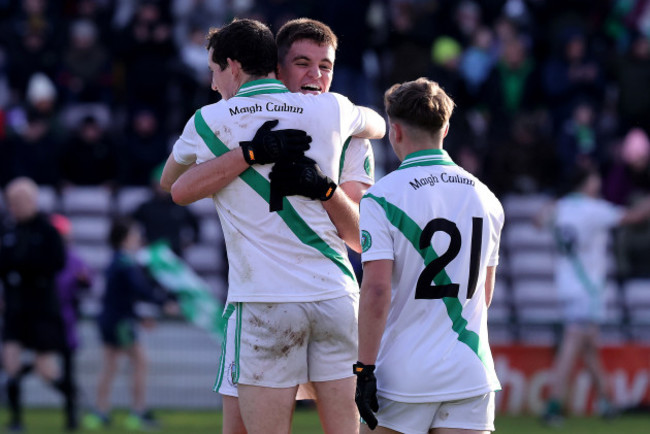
{"points": [[39, 88]]}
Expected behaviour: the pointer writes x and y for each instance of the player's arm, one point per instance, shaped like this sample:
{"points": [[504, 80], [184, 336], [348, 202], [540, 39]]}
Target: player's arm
{"points": [[637, 213], [374, 305], [375, 126], [357, 173], [344, 214], [213, 175], [171, 172], [355, 190], [490, 278], [205, 179]]}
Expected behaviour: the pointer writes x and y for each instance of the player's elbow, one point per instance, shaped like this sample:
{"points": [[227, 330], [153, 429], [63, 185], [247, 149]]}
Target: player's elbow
{"points": [[166, 185], [180, 195], [354, 244]]}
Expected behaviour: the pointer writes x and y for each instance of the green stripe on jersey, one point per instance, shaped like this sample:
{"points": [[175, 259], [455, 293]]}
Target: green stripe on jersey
{"points": [[345, 148], [288, 214], [266, 85], [412, 232], [427, 157]]}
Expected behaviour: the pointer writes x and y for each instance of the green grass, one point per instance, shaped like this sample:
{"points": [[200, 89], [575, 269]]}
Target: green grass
{"points": [[306, 422]]}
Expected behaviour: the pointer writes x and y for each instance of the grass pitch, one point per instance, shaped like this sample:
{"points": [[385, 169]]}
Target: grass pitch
{"points": [[50, 421]]}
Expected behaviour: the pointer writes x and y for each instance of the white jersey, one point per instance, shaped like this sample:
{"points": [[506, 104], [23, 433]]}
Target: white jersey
{"points": [[293, 255], [357, 162], [442, 227], [582, 227]]}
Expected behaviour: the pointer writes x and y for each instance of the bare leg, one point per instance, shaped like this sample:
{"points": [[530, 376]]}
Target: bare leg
{"points": [[565, 361], [139, 363], [106, 378], [336, 408], [594, 365], [266, 410], [232, 420], [11, 362], [11, 358], [46, 366]]}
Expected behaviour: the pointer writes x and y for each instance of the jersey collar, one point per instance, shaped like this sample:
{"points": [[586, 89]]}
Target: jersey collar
{"points": [[265, 85], [427, 157]]}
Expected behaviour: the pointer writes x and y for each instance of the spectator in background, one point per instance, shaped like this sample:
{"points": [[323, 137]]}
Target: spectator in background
{"points": [[72, 282], [146, 51], [466, 19], [85, 74], [144, 147], [410, 39], [571, 76], [629, 176], [31, 254], [36, 133], [98, 12], [578, 142], [192, 76], [523, 162], [355, 40], [90, 156], [36, 49], [513, 85], [626, 183], [477, 62], [446, 57], [163, 220], [126, 283], [632, 69], [197, 14], [581, 223]]}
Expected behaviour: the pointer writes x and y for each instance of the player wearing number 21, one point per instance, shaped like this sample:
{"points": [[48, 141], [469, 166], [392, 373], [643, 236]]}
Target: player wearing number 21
{"points": [[430, 235]]}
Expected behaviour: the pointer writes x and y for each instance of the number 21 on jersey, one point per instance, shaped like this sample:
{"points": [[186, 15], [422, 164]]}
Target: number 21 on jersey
{"points": [[426, 288]]}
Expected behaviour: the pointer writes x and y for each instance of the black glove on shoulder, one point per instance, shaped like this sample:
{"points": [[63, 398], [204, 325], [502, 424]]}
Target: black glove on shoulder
{"points": [[270, 146], [366, 393], [302, 178]]}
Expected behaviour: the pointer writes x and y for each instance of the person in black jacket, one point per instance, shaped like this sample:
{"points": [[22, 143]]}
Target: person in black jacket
{"points": [[31, 254]]}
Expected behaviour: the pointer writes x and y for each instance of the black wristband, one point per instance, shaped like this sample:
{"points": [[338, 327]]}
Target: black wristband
{"points": [[361, 370], [329, 192]]}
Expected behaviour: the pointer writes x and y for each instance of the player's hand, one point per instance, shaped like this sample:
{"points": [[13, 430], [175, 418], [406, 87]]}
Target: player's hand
{"points": [[301, 178], [270, 146], [366, 393]]}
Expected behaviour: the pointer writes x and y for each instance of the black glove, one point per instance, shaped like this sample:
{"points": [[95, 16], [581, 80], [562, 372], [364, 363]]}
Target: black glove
{"points": [[366, 393], [302, 178], [270, 146]]}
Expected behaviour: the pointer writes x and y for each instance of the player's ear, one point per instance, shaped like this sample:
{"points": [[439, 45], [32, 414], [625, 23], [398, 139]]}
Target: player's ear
{"points": [[398, 132], [444, 134], [235, 67]]}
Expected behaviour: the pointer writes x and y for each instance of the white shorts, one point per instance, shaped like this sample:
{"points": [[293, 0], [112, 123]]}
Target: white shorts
{"points": [[475, 413], [285, 344]]}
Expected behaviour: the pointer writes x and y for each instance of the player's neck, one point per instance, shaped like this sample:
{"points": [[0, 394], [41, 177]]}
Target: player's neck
{"points": [[248, 78]]}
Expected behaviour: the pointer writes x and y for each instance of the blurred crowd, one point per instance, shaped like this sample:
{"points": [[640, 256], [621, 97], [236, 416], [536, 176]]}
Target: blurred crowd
{"points": [[95, 91]]}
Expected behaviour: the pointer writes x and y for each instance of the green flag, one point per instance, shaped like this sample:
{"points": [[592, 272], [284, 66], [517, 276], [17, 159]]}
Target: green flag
{"points": [[198, 305]]}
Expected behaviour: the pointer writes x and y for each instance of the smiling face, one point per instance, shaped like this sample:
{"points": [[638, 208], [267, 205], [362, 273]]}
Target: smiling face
{"points": [[308, 67]]}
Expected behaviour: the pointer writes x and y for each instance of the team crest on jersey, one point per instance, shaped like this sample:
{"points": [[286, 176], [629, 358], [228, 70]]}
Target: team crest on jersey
{"points": [[366, 240], [234, 373], [368, 167]]}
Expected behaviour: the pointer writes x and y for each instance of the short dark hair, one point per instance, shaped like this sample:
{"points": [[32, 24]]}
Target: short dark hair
{"points": [[420, 103], [120, 227], [303, 28], [247, 41]]}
